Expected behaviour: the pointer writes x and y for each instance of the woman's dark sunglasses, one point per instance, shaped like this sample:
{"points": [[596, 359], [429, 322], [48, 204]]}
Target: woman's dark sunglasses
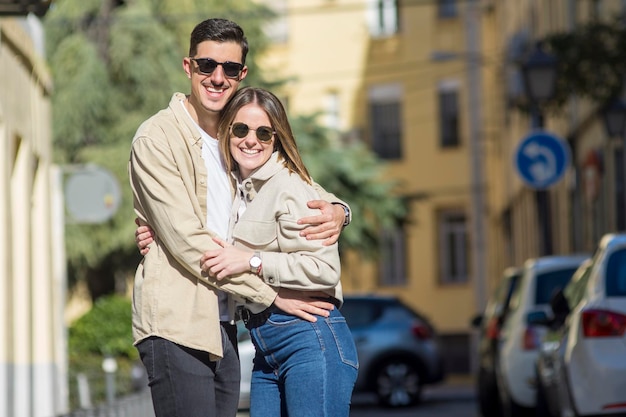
{"points": [[263, 133], [208, 65]]}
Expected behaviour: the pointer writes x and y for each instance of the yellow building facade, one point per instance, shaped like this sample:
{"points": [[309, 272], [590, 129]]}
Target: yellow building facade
{"points": [[431, 87], [403, 66]]}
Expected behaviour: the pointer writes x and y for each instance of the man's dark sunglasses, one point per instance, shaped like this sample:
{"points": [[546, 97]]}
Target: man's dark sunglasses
{"points": [[208, 65], [263, 133]]}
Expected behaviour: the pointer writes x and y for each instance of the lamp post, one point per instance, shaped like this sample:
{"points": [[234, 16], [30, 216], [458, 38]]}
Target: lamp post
{"points": [[539, 71], [614, 115]]}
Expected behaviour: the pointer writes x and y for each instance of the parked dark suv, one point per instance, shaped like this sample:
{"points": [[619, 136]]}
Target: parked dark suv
{"points": [[397, 348]]}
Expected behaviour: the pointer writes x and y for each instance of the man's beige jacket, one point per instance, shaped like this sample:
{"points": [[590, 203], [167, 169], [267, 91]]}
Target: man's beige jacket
{"points": [[172, 298]]}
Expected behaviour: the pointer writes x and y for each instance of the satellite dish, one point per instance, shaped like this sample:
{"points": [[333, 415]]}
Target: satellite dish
{"points": [[92, 195]]}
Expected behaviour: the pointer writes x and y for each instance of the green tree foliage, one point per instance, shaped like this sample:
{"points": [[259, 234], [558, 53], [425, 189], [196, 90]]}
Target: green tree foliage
{"points": [[114, 64], [104, 331], [591, 62]]}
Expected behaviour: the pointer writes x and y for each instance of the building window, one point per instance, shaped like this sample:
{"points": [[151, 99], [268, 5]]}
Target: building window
{"points": [[385, 110], [448, 97], [383, 17], [453, 247], [446, 9], [392, 258]]}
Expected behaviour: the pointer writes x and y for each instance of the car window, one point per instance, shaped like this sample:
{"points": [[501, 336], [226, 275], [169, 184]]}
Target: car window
{"points": [[514, 279], [549, 283], [575, 290], [501, 293], [616, 274], [494, 303], [397, 312], [514, 304], [359, 313], [502, 298], [516, 294]]}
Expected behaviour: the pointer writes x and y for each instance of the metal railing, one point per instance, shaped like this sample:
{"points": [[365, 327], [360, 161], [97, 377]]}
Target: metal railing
{"points": [[132, 405]]}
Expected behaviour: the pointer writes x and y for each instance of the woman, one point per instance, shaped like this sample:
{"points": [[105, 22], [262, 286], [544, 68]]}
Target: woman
{"points": [[301, 368]]}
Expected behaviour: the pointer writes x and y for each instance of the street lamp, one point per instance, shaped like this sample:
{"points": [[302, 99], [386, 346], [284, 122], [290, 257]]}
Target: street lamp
{"points": [[539, 71]]}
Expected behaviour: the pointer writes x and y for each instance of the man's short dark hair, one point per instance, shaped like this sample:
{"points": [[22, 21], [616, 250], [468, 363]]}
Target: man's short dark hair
{"points": [[218, 30]]}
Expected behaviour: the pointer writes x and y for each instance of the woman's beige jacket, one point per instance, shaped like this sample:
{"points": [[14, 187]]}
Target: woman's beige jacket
{"points": [[275, 199]]}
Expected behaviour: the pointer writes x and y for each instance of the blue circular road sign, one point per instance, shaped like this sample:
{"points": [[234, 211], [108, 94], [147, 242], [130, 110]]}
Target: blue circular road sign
{"points": [[541, 159]]}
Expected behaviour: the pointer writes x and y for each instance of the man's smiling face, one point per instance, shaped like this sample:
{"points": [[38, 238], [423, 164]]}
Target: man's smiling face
{"points": [[212, 91]]}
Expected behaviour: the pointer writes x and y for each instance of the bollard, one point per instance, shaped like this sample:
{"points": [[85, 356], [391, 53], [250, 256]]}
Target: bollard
{"points": [[109, 366], [84, 396]]}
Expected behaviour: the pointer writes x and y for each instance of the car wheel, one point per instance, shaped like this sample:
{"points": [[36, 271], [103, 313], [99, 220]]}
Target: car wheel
{"points": [[488, 396], [398, 384], [511, 409], [541, 409]]}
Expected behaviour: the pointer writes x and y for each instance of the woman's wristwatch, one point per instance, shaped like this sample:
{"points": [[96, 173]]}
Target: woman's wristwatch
{"points": [[255, 263]]}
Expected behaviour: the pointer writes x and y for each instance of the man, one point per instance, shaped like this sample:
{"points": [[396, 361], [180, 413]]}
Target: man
{"points": [[182, 324]]}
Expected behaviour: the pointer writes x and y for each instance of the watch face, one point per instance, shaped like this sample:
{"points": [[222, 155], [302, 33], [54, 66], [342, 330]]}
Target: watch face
{"points": [[255, 261]]}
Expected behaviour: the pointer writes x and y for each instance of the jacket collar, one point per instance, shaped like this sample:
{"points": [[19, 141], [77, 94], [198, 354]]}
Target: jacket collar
{"points": [[176, 106], [250, 186]]}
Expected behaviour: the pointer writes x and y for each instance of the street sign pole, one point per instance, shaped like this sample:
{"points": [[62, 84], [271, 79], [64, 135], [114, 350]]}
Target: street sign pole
{"points": [[541, 160]]}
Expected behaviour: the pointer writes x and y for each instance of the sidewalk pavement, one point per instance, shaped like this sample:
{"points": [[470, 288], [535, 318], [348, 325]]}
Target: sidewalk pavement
{"points": [[455, 388]]}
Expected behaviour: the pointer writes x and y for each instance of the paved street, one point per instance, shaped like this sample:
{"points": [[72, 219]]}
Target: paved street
{"points": [[454, 398]]}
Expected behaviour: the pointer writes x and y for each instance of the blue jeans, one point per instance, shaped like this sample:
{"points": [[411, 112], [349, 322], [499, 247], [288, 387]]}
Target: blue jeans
{"points": [[303, 369], [185, 383]]}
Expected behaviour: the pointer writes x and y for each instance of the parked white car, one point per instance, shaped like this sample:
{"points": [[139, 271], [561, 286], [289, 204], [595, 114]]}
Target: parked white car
{"points": [[585, 373], [550, 360], [520, 339], [246, 357]]}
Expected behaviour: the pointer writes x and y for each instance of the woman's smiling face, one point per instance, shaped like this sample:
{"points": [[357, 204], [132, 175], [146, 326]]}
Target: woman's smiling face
{"points": [[249, 152]]}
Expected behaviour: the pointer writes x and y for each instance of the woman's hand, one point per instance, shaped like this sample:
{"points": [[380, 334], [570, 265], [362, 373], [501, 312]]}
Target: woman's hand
{"points": [[303, 304], [226, 261]]}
